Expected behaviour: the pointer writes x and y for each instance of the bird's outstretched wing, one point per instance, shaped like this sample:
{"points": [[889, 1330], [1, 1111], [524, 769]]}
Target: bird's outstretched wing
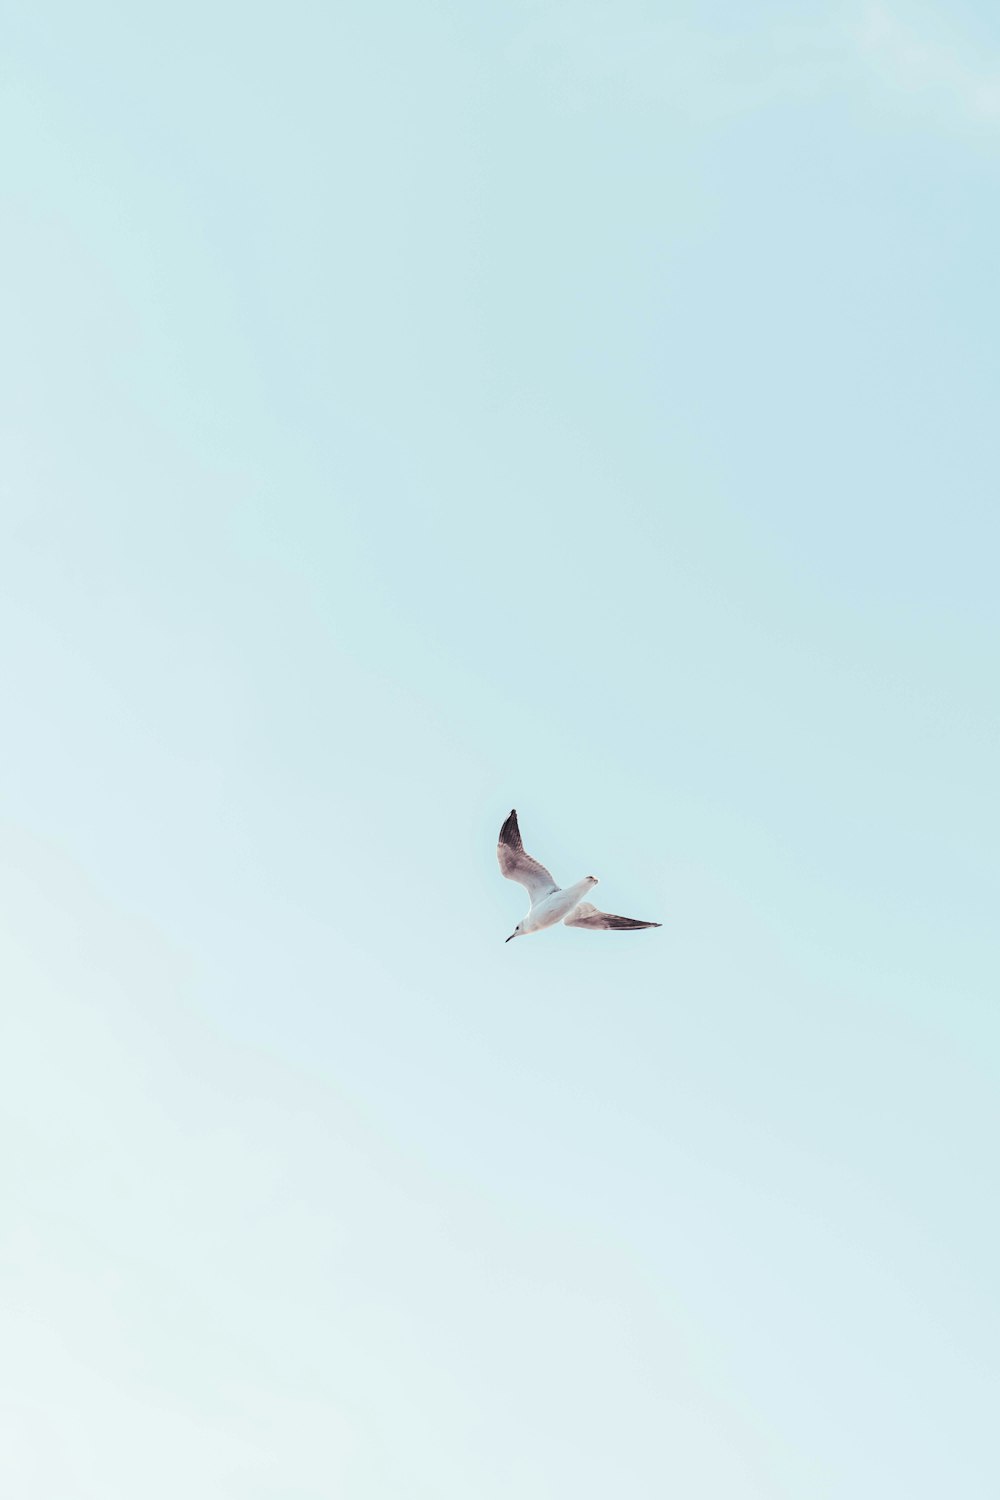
{"points": [[588, 916], [517, 865]]}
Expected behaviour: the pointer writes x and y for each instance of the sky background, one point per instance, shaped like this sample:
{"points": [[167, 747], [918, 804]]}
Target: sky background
{"points": [[411, 411]]}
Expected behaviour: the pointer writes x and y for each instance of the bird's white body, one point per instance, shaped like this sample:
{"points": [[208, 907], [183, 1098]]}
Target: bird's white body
{"points": [[557, 906]]}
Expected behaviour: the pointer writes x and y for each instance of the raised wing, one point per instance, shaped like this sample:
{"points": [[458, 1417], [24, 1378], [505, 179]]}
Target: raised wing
{"points": [[517, 865], [588, 916]]}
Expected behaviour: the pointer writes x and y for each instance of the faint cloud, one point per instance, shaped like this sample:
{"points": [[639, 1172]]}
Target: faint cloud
{"points": [[942, 69], [759, 58]]}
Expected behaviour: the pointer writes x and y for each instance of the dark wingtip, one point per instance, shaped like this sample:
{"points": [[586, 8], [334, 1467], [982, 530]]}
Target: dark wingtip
{"points": [[510, 834]]}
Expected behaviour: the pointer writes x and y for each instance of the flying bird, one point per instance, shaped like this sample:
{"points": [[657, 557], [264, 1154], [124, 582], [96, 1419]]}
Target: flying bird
{"points": [[549, 902]]}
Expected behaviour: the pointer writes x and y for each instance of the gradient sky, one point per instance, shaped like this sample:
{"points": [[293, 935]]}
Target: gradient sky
{"points": [[412, 411]]}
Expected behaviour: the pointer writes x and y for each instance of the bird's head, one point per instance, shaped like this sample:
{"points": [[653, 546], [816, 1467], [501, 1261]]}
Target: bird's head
{"points": [[518, 932]]}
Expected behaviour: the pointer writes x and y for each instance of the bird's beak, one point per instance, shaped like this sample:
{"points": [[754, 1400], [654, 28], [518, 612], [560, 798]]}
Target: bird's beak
{"points": [[513, 934]]}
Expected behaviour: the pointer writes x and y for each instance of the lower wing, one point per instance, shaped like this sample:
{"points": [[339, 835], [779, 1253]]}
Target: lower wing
{"points": [[588, 916]]}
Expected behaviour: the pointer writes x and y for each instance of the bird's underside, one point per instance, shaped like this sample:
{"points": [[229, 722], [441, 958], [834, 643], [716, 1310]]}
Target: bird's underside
{"points": [[517, 864]]}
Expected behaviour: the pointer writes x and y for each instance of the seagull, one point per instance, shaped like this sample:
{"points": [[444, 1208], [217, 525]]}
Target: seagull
{"points": [[549, 903]]}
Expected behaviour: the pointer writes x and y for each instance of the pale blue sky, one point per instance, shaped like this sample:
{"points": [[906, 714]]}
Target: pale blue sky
{"points": [[414, 411]]}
